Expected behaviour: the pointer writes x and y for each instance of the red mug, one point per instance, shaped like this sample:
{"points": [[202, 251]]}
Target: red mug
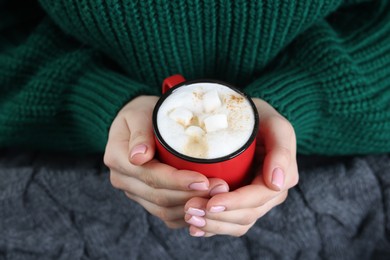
{"points": [[234, 168]]}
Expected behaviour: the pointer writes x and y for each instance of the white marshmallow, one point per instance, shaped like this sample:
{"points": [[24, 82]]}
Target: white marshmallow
{"points": [[194, 131], [219, 143], [216, 122], [211, 101], [182, 116]]}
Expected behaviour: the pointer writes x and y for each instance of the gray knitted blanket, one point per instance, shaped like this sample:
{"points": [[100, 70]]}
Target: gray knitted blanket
{"points": [[58, 207]]}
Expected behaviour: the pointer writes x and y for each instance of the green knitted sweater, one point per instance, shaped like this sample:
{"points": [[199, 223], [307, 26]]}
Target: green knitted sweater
{"points": [[68, 66]]}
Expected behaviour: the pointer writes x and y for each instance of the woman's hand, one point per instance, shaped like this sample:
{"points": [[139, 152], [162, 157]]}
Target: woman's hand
{"points": [[234, 213], [161, 189]]}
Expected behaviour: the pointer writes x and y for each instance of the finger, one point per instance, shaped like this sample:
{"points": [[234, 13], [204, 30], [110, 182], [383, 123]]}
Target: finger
{"points": [[141, 144], [197, 232], [196, 205], [248, 215], [159, 197], [195, 210], [117, 146], [162, 176], [217, 186], [156, 175], [280, 148], [235, 223], [210, 227], [249, 196], [164, 213]]}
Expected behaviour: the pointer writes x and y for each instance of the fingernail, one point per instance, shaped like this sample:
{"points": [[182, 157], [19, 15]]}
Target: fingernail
{"points": [[198, 233], [198, 186], [196, 212], [219, 189], [278, 178], [139, 149], [197, 221], [217, 209]]}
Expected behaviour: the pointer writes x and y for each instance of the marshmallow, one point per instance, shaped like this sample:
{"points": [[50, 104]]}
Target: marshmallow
{"points": [[194, 131], [181, 115], [216, 122], [211, 101], [202, 134]]}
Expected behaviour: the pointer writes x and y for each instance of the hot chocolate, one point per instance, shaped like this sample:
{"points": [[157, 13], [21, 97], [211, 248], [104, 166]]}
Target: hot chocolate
{"points": [[205, 120]]}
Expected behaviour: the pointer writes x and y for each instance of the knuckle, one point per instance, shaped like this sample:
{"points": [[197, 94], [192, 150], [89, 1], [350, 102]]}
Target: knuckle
{"points": [[284, 153], [248, 219], [150, 180], [108, 159], [139, 135], [218, 230], [240, 232], [115, 181], [295, 180], [161, 200], [158, 198], [129, 195], [163, 214]]}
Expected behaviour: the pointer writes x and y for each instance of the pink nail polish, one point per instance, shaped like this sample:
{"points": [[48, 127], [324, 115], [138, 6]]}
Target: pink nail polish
{"points": [[197, 221], [139, 149], [278, 178], [219, 189], [217, 209], [198, 233], [196, 212], [198, 186]]}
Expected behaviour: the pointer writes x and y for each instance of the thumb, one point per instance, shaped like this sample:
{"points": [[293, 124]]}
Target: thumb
{"points": [[141, 143], [280, 148]]}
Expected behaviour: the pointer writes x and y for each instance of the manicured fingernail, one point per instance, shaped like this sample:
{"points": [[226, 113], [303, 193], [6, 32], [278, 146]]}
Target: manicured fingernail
{"points": [[139, 149], [198, 186], [196, 212], [197, 221], [278, 178], [217, 209], [198, 233], [219, 189]]}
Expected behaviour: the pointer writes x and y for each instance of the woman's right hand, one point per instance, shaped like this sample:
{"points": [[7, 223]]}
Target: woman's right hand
{"points": [[161, 189]]}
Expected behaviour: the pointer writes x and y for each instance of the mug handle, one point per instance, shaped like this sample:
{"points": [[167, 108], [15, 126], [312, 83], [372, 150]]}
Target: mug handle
{"points": [[172, 81]]}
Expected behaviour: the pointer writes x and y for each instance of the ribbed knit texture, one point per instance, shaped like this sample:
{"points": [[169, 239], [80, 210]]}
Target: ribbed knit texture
{"points": [[325, 65]]}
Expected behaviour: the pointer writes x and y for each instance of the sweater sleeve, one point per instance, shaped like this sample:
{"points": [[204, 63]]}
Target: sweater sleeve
{"points": [[57, 94], [333, 83]]}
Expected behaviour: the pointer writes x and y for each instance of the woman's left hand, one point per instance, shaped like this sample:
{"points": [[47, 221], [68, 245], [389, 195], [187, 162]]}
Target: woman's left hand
{"points": [[234, 213]]}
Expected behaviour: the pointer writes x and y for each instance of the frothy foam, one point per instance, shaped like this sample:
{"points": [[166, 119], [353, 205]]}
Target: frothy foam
{"points": [[205, 120]]}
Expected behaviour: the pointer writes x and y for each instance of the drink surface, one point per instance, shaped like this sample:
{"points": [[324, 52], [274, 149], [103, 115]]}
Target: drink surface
{"points": [[205, 120]]}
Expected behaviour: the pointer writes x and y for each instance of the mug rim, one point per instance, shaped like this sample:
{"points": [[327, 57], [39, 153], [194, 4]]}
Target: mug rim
{"points": [[230, 156]]}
